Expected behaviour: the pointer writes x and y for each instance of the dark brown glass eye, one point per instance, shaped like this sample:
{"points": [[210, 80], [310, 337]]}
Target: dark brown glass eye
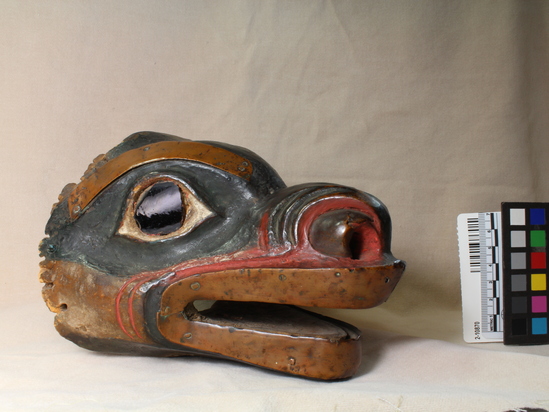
{"points": [[161, 210]]}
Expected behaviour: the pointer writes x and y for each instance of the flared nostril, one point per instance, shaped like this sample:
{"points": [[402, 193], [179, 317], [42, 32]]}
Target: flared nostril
{"points": [[344, 233], [355, 245], [330, 235]]}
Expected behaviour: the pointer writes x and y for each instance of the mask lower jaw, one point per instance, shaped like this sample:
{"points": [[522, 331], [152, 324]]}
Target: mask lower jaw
{"points": [[283, 338]]}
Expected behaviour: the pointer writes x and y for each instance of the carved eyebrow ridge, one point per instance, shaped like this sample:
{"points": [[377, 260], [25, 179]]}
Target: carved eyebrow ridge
{"points": [[94, 183]]}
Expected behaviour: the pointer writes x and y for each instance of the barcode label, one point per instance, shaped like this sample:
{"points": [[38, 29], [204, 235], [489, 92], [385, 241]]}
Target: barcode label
{"points": [[473, 237], [479, 252]]}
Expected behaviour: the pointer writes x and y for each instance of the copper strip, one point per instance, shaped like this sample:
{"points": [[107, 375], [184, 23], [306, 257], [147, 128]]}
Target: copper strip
{"points": [[105, 174], [343, 288]]}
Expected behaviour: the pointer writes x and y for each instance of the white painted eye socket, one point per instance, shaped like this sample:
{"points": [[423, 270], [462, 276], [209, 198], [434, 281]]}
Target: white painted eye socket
{"points": [[161, 208]]}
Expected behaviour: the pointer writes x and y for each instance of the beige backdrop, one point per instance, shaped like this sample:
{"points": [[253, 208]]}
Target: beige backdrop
{"points": [[437, 108]]}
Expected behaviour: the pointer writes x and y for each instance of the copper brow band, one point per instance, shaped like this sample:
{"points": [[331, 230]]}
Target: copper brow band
{"points": [[220, 158]]}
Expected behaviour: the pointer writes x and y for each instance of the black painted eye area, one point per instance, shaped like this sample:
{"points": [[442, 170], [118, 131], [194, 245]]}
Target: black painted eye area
{"points": [[161, 210], [162, 207]]}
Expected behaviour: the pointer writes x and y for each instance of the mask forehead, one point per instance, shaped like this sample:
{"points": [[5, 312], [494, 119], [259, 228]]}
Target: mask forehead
{"points": [[94, 183]]}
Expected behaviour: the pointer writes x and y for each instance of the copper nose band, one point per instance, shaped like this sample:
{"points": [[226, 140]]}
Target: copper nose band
{"points": [[92, 184]]}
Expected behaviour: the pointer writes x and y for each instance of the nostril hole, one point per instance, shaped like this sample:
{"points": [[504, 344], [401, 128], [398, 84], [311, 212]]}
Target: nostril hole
{"points": [[356, 243], [344, 233], [63, 306]]}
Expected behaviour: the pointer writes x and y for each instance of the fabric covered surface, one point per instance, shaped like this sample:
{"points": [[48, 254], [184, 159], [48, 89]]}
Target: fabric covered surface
{"points": [[437, 108]]}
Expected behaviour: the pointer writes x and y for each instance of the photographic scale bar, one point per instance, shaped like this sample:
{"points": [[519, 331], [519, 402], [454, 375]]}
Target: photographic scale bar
{"points": [[503, 264]]}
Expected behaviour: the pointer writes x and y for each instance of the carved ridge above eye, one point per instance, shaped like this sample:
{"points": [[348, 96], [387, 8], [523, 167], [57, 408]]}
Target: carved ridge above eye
{"points": [[193, 211], [105, 172]]}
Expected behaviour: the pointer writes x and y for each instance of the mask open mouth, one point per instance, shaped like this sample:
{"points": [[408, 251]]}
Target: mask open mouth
{"points": [[270, 318], [256, 315]]}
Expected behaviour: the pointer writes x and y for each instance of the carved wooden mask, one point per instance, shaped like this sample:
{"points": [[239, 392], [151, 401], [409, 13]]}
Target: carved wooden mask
{"points": [[171, 247]]}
